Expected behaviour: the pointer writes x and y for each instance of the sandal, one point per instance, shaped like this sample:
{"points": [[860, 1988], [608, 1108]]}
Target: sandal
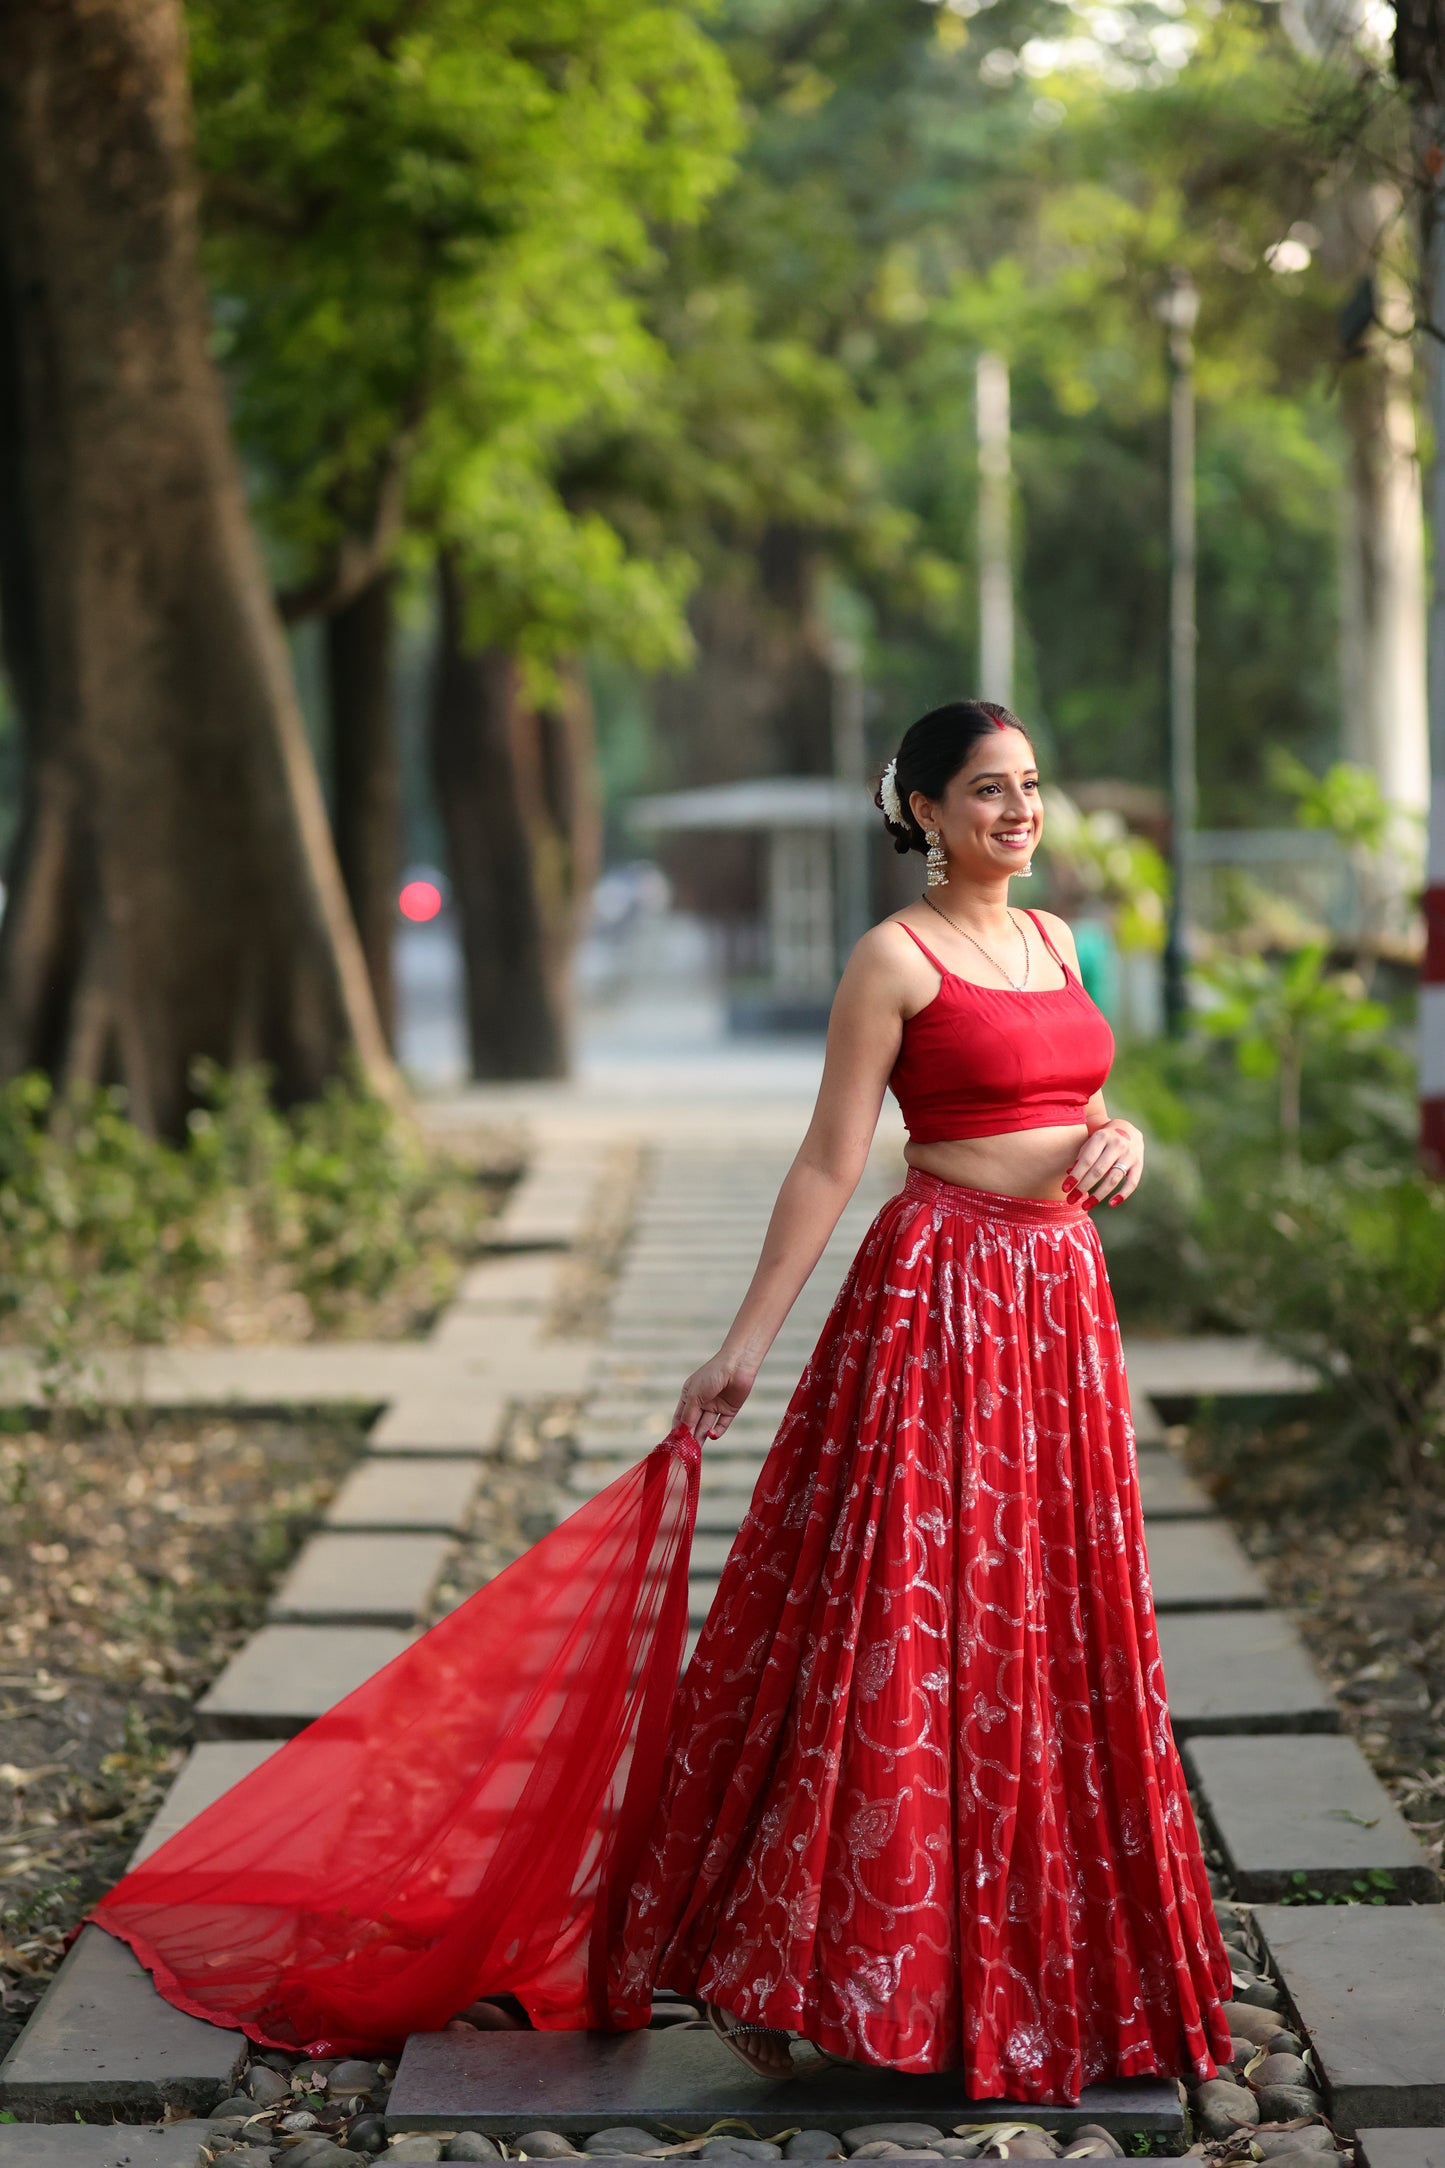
{"points": [[734, 2034]]}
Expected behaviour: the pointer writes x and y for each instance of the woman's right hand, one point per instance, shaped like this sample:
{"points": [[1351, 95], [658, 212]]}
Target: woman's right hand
{"points": [[712, 1396]]}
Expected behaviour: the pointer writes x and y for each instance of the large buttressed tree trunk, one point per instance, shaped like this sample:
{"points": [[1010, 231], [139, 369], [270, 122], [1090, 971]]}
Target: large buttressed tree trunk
{"points": [[366, 777], [516, 787], [175, 891]]}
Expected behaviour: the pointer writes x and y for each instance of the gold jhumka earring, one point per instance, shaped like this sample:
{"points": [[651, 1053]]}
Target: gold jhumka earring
{"points": [[937, 859]]}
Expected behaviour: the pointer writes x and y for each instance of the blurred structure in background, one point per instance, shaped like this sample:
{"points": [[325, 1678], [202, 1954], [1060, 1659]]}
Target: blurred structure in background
{"points": [[784, 911]]}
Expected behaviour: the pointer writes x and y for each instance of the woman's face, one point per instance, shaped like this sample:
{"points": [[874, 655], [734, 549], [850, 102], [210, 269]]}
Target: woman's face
{"points": [[991, 816]]}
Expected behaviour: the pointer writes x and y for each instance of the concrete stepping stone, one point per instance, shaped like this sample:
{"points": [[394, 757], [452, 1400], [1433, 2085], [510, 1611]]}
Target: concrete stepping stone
{"points": [[1382, 2148], [1182, 1366], [411, 1494], [1200, 1566], [683, 2079], [102, 2145], [102, 2041], [1278, 1806], [1242, 1671], [508, 1286], [286, 1676], [1148, 1422], [465, 1423], [207, 1772], [1168, 1492], [1368, 1984], [355, 1580]]}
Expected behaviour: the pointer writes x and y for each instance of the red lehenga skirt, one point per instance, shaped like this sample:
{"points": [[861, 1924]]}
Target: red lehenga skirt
{"points": [[917, 1797]]}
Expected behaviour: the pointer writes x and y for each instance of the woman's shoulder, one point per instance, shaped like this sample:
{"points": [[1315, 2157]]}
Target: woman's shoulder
{"points": [[1058, 930]]}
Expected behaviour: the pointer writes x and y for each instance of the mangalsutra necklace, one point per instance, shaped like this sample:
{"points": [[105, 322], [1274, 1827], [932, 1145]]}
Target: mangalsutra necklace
{"points": [[1018, 985]]}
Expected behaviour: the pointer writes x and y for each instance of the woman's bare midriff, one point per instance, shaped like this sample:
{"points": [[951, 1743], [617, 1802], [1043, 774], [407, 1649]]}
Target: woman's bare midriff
{"points": [[1022, 1163]]}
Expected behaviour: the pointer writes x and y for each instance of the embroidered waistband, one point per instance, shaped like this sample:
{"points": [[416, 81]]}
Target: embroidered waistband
{"points": [[993, 1204]]}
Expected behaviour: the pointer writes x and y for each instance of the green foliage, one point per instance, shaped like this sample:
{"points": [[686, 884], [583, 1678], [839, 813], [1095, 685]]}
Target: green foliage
{"points": [[1375, 1887], [109, 1236], [1278, 1015], [427, 229]]}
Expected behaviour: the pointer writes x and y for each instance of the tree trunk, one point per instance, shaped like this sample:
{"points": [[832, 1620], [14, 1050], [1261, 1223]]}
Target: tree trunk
{"points": [[174, 826], [366, 778], [759, 699], [517, 798]]}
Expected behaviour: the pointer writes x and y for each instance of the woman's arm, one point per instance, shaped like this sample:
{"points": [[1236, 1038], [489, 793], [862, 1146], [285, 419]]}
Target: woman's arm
{"points": [[865, 1029]]}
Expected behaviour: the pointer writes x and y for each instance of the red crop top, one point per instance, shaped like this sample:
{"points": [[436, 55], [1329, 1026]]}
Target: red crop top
{"points": [[982, 1060]]}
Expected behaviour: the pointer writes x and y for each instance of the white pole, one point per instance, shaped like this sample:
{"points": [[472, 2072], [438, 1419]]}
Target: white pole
{"points": [[995, 555], [1432, 974]]}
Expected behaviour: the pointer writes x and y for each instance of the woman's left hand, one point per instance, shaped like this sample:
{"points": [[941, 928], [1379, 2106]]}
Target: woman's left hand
{"points": [[1108, 1164]]}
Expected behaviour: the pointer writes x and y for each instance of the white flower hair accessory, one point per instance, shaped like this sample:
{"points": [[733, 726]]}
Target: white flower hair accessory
{"points": [[888, 792]]}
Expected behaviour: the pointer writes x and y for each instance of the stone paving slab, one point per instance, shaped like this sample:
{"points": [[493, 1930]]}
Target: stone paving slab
{"points": [[207, 1772], [1185, 1366], [1304, 1803], [507, 1285], [1200, 1566], [1241, 1671], [1148, 1422], [107, 2145], [682, 2077], [1368, 1985], [1168, 1492], [411, 1493], [1400, 2148], [437, 1423], [102, 2041], [361, 1580], [286, 1676]]}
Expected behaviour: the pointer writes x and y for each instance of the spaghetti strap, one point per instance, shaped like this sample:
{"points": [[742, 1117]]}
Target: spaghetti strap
{"points": [[1048, 944], [941, 969]]}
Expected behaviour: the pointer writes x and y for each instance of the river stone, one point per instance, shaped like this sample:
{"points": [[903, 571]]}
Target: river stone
{"points": [[546, 2145], [238, 2104], [907, 2134], [1259, 1994], [1032, 2145], [625, 2138], [960, 2148], [1246, 2022], [414, 2145], [1299, 2156], [1314, 2138], [1285, 2043], [266, 2086], [880, 2149], [366, 2133], [345, 2078], [470, 2145], [1231, 1922], [317, 2151], [814, 2145], [1282, 2103], [1086, 2149], [727, 2147], [1097, 2130], [1224, 2107], [1280, 2069]]}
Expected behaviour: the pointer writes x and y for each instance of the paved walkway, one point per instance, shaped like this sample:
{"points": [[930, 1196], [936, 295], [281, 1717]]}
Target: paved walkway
{"points": [[1288, 1805]]}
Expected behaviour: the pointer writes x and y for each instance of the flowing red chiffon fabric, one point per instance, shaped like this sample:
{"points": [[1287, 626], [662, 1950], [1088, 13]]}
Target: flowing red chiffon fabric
{"points": [[471, 1817], [917, 1797]]}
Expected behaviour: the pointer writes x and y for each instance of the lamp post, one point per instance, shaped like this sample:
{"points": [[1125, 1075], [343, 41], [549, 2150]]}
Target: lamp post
{"points": [[1178, 310]]}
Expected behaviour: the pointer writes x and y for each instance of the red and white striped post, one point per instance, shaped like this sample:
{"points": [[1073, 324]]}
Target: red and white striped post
{"points": [[1432, 971]]}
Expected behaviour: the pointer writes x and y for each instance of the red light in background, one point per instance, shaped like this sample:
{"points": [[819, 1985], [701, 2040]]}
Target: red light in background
{"points": [[419, 901]]}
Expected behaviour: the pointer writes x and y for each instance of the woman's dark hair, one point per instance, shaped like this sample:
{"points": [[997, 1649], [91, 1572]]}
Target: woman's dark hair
{"points": [[933, 750]]}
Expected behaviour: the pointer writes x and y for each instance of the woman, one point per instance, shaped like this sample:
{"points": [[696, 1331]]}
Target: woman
{"points": [[916, 1799], [924, 1808]]}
